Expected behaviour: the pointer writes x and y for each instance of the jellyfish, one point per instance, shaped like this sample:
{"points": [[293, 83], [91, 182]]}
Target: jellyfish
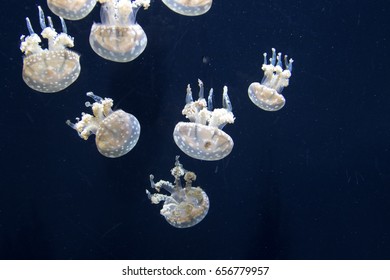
{"points": [[52, 69], [117, 132], [119, 38], [267, 94], [202, 137], [189, 7], [184, 207], [71, 9]]}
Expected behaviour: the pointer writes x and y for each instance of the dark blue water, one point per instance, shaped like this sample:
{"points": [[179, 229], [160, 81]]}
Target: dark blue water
{"points": [[311, 181]]}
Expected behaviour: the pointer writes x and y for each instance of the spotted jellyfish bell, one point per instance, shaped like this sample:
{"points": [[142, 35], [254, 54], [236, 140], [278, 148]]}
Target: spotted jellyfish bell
{"points": [[119, 37], [71, 9], [267, 94], [52, 69], [202, 138], [189, 7], [185, 206], [117, 132]]}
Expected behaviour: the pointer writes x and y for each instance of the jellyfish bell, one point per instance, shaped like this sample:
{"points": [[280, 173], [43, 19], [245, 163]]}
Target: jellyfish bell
{"points": [[267, 94], [119, 37], [189, 7], [203, 138], [185, 206], [117, 132], [71, 9], [202, 142], [52, 69]]}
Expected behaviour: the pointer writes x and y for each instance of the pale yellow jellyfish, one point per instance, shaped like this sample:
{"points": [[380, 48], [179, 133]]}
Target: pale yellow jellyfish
{"points": [[267, 94], [52, 69], [184, 207], [117, 132], [189, 7], [71, 9], [202, 137], [119, 37]]}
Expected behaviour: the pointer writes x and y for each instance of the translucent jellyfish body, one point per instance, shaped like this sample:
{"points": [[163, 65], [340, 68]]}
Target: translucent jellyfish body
{"points": [[117, 132], [71, 9], [184, 207], [189, 7], [52, 69], [267, 94], [202, 137], [119, 38]]}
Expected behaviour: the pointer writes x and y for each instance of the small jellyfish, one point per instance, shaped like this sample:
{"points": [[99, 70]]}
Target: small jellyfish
{"points": [[52, 69], [267, 94], [71, 9], [202, 137], [119, 38], [184, 207], [189, 7], [117, 132]]}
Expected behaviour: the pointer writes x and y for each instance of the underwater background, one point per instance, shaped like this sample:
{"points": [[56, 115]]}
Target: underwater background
{"points": [[311, 181]]}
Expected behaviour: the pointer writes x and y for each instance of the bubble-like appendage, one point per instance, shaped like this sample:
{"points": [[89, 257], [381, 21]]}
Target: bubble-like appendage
{"points": [[185, 206], [71, 9], [189, 7], [119, 38], [117, 132], [53, 69], [267, 94], [202, 142], [202, 138]]}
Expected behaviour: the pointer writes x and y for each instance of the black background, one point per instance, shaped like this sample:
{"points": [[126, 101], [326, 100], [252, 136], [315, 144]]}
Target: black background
{"points": [[310, 181]]}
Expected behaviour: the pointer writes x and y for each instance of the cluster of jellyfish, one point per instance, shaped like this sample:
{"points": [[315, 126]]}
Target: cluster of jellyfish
{"points": [[120, 38], [117, 38]]}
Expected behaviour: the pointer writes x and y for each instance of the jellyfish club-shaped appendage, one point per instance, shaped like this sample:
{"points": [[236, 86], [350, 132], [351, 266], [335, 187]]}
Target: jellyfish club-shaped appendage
{"points": [[185, 206], [267, 94], [202, 138], [117, 132], [119, 37], [71, 9], [52, 69], [189, 7]]}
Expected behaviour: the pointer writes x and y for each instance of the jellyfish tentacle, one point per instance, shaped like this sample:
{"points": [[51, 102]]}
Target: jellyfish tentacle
{"points": [[42, 21], [189, 98], [226, 100], [210, 100], [63, 26], [201, 89]]}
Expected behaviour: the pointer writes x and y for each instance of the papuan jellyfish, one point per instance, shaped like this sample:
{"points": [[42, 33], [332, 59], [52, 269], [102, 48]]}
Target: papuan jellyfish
{"points": [[267, 94], [119, 37], [117, 132], [71, 9], [202, 137], [184, 207], [52, 69], [189, 7]]}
